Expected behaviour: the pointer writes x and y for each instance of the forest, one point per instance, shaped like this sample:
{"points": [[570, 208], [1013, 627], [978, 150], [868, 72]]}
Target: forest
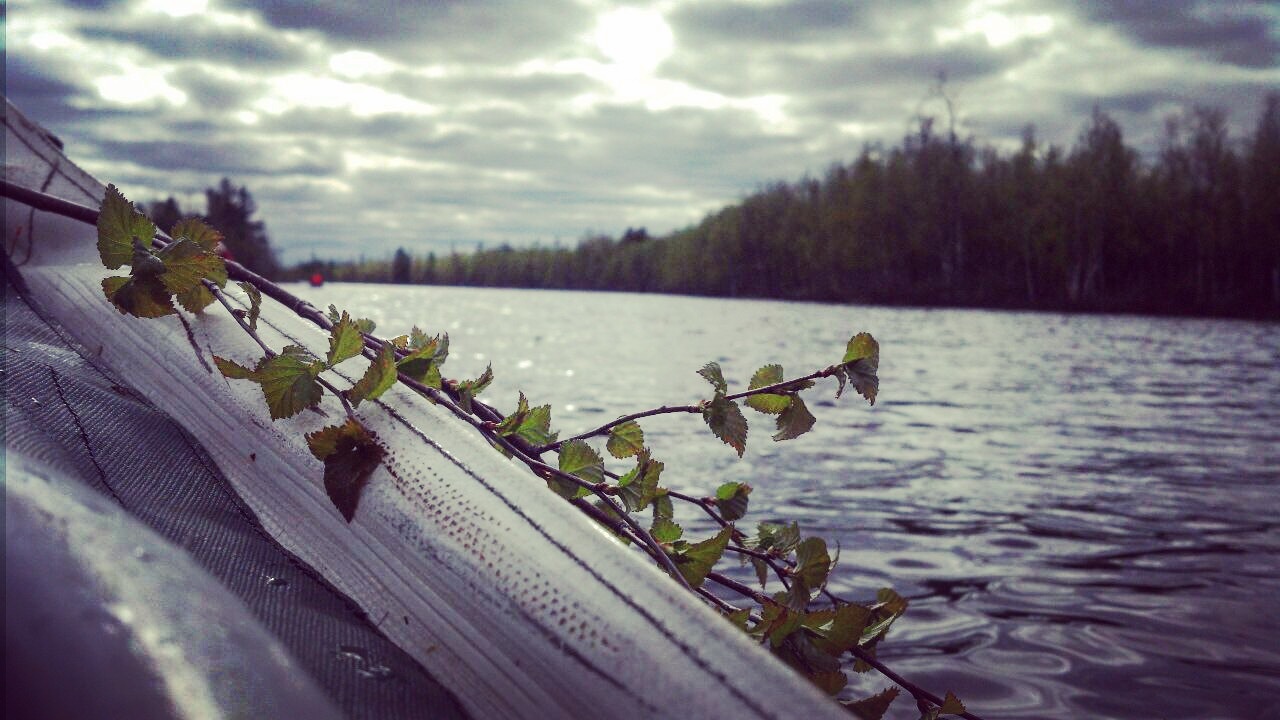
{"points": [[937, 220]]}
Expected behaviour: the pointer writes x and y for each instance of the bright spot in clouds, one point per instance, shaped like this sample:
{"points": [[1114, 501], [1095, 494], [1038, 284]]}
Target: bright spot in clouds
{"points": [[355, 64], [634, 39]]}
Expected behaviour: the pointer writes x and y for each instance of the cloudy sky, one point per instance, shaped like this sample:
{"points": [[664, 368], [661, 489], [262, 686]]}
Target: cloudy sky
{"points": [[361, 128]]}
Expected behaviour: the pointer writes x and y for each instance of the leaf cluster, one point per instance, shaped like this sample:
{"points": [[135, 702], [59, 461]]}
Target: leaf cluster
{"points": [[182, 270]]}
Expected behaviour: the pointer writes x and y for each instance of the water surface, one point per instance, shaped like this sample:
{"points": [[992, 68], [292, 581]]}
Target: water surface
{"points": [[1082, 509]]}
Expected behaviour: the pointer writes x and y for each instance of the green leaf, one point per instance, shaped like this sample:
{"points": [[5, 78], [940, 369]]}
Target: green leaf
{"points": [[639, 486], [469, 389], [711, 371], [739, 618], [664, 530], [861, 364], [874, 707], [289, 382], [186, 265], [345, 341], [144, 297], [580, 459], [890, 607], [731, 500], [625, 440], [378, 378], [830, 682], [255, 303], [350, 456], [794, 421], [779, 622], [768, 403], [532, 424], [726, 422], [696, 561], [951, 705], [813, 563], [233, 370], [844, 630], [198, 232], [425, 358], [119, 224], [662, 507], [778, 538], [762, 571]]}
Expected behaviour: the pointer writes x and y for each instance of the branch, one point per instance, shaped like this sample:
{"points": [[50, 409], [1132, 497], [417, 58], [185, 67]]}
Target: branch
{"points": [[603, 429]]}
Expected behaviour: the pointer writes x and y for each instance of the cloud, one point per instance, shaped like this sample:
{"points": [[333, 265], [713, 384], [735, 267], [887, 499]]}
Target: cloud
{"points": [[360, 128]]}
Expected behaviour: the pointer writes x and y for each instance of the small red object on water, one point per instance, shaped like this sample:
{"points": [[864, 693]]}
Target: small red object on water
{"points": [[317, 279]]}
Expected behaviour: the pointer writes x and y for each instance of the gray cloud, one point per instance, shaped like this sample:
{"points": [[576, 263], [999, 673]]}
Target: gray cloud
{"points": [[1246, 34], [478, 145]]}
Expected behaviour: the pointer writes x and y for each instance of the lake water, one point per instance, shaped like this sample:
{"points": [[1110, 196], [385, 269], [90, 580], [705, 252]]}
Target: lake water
{"points": [[1083, 510]]}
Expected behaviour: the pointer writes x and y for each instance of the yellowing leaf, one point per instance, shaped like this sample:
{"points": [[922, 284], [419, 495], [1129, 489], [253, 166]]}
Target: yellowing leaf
{"points": [[350, 456], [186, 265], [727, 423], [197, 231], [119, 224], [625, 440], [768, 402]]}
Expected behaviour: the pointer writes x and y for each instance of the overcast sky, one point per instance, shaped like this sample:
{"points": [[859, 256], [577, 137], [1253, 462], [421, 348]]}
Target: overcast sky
{"points": [[361, 128]]}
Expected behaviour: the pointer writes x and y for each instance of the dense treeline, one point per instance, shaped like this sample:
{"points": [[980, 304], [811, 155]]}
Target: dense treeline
{"points": [[939, 221], [230, 209]]}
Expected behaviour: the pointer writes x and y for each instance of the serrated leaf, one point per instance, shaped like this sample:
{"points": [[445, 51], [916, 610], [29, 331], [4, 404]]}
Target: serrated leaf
{"points": [[711, 371], [288, 383], [186, 264], [625, 440], [830, 682], [767, 403], [350, 456], [581, 460], [469, 389], [255, 303], [232, 370], [662, 507], [862, 363], [814, 660], [698, 559], [345, 340], [843, 377], [195, 230], [119, 224], [333, 314], [727, 423], [794, 421], [739, 618], [639, 486], [425, 357], [844, 630], [778, 538], [874, 707], [813, 563], [378, 378], [731, 500], [144, 297], [779, 622], [951, 705], [665, 530]]}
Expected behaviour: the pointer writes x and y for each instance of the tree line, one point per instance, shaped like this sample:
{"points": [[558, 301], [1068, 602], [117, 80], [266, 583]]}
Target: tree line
{"points": [[938, 220]]}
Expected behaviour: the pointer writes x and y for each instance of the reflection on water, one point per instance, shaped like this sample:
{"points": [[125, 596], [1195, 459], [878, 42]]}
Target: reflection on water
{"points": [[1082, 509]]}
